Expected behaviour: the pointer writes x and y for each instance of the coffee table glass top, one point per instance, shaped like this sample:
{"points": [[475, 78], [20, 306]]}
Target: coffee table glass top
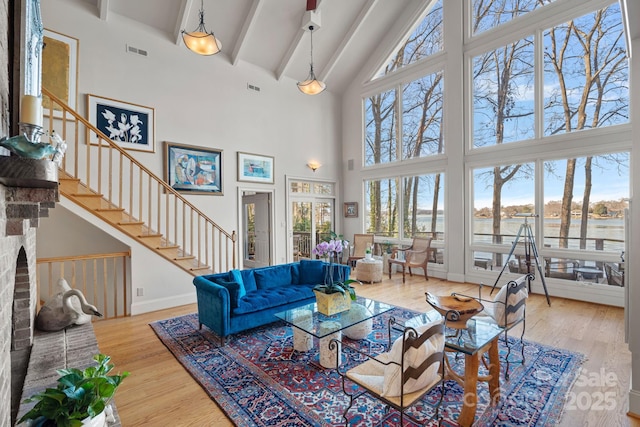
{"points": [[477, 334], [307, 318]]}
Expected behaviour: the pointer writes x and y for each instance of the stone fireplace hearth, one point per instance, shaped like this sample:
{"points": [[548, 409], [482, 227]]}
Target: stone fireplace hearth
{"points": [[20, 210]]}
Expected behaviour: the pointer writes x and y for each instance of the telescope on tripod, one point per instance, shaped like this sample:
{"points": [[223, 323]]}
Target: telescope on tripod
{"points": [[530, 249]]}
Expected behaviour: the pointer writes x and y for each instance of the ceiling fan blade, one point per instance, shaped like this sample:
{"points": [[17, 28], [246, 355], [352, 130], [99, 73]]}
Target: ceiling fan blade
{"points": [[311, 4]]}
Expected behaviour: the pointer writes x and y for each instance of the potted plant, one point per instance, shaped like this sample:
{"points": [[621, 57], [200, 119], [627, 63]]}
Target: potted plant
{"points": [[367, 253], [331, 295], [80, 399]]}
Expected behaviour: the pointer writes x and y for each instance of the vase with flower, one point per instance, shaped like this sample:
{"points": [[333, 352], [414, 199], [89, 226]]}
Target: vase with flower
{"points": [[335, 293]]}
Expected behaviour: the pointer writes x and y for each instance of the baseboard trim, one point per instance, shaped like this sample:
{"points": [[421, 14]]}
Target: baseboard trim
{"points": [[162, 303]]}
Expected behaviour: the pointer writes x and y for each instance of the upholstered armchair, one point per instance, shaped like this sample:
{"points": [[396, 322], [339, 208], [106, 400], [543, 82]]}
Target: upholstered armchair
{"points": [[415, 256], [413, 365]]}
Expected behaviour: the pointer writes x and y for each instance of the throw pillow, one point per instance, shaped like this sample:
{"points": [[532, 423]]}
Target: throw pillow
{"points": [[414, 358], [311, 271], [499, 306], [273, 277], [236, 276]]}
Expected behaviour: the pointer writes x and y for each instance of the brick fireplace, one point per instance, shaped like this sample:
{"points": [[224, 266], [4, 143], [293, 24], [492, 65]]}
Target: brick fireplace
{"points": [[20, 210]]}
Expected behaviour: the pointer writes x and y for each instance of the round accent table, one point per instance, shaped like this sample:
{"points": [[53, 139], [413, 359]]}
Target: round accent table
{"points": [[369, 270]]}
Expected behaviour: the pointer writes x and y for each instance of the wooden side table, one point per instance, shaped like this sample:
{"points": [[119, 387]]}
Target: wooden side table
{"points": [[369, 270]]}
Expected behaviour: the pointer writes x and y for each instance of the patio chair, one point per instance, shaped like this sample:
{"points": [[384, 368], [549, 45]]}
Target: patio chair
{"points": [[507, 309], [416, 256], [360, 243], [615, 277], [413, 366]]}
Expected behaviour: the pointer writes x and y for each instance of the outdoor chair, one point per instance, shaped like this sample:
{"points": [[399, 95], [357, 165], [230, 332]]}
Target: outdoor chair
{"points": [[507, 309], [413, 365], [615, 277], [415, 256], [360, 243]]}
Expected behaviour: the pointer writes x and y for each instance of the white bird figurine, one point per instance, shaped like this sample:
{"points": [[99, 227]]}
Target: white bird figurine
{"points": [[60, 311]]}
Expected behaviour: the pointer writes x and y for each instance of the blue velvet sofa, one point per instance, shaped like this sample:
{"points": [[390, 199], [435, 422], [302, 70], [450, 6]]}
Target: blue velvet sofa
{"points": [[243, 299]]}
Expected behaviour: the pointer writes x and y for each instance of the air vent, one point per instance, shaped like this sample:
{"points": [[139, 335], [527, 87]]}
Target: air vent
{"points": [[137, 51], [252, 87]]}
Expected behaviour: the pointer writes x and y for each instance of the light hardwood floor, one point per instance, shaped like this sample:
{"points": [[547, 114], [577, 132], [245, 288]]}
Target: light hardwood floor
{"points": [[161, 392]]}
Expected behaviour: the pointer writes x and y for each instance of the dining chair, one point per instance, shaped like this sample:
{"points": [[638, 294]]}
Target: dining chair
{"points": [[360, 243]]}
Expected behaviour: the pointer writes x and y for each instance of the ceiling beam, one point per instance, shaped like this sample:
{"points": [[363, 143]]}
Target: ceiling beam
{"points": [[295, 44], [182, 19], [346, 40], [103, 9], [245, 32]]}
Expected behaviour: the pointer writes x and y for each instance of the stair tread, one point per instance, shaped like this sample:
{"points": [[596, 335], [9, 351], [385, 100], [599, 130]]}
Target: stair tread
{"points": [[183, 258], [167, 247], [131, 223], [86, 195], [149, 235]]}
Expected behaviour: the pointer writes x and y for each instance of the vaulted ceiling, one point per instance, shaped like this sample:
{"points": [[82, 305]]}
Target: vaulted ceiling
{"points": [[272, 33]]}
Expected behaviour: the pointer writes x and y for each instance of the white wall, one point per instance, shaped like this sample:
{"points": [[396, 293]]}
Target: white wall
{"points": [[203, 101]]}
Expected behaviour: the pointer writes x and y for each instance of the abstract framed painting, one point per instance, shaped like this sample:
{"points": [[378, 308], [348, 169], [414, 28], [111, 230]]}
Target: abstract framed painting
{"points": [[193, 170], [255, 168], [131, 126], [60, 71], [351, 209]]}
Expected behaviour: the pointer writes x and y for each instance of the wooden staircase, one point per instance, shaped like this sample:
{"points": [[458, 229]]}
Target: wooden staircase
{"points": [[147, 209]]}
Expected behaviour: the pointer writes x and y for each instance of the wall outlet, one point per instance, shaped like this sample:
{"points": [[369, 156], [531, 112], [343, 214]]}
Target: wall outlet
{"points": [[140, 292]]}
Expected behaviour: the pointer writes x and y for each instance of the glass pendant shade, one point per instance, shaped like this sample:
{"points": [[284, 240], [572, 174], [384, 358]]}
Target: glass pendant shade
{"points": [[311, 86], [202, 43], [200, 40]]}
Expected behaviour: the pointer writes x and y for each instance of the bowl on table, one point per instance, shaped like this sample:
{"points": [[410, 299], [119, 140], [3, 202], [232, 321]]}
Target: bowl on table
{"points": [[462, 308]]}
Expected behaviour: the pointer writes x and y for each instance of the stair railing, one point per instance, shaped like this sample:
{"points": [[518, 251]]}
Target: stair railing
{"points": [[126, 184]]}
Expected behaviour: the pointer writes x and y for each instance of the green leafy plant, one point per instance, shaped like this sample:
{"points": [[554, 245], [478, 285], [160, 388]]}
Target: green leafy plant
{"points": [[79, 394], [338, 287]]}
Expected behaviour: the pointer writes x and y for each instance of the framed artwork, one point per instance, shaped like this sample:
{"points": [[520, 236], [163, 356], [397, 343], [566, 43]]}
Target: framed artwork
{"points": [[255, 168], [131, 126], [351, 209], [60, 70], [193, 170]]}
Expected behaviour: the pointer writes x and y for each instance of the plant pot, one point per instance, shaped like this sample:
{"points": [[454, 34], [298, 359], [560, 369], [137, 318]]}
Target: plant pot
{"points": [[330, 304], [368, 256], [99, 420]]}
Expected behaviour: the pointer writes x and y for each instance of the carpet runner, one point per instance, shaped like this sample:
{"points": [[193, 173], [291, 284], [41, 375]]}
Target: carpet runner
{"points": [[259, 380]]}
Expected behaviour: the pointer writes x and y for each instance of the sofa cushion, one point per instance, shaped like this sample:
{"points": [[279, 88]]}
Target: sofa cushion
{"points": [[236, 276], [295, 274], [263, 299], [249, 280], [311, 271], [273, 277]]}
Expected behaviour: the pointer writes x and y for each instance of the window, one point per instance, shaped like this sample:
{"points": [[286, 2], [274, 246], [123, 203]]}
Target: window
{"points": [[421, 118], [420, 204], [425, 41], [585, 199], [585, 81], [488, 14], [586, 73]]}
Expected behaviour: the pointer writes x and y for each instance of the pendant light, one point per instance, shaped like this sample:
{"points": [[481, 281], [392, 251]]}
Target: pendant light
{"points": [[311, 86], [200, 40]]}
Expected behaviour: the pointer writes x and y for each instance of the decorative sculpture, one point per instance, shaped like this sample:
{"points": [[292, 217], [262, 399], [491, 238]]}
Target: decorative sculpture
{"points": [[63, 310], [25, 147]]}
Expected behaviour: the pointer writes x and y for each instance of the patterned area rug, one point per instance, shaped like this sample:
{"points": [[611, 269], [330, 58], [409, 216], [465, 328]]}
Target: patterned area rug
{"points": [[259, 380]]}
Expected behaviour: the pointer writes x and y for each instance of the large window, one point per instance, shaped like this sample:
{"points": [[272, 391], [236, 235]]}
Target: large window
{"points": [[492, 13], [584, 75], [420, 204]]}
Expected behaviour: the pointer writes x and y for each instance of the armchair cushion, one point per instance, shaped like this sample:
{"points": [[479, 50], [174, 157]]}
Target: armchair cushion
{"points": [[414, 357], [497, 310]]}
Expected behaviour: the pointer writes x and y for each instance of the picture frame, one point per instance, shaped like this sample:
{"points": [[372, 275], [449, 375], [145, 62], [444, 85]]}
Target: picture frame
{"points": [[112, 116], [193, 170], [60, 71], [351, 209], [255, 168]]}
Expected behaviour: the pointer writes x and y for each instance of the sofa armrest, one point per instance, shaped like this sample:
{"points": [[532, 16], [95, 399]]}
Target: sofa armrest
{"points": [[214, 305]]}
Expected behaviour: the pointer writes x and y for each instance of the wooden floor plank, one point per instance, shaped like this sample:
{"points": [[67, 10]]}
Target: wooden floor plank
{"points": [[161, 392]]}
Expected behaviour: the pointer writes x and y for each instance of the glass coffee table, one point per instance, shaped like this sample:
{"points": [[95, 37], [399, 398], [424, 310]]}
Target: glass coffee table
{"points": [[307, 323]]}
